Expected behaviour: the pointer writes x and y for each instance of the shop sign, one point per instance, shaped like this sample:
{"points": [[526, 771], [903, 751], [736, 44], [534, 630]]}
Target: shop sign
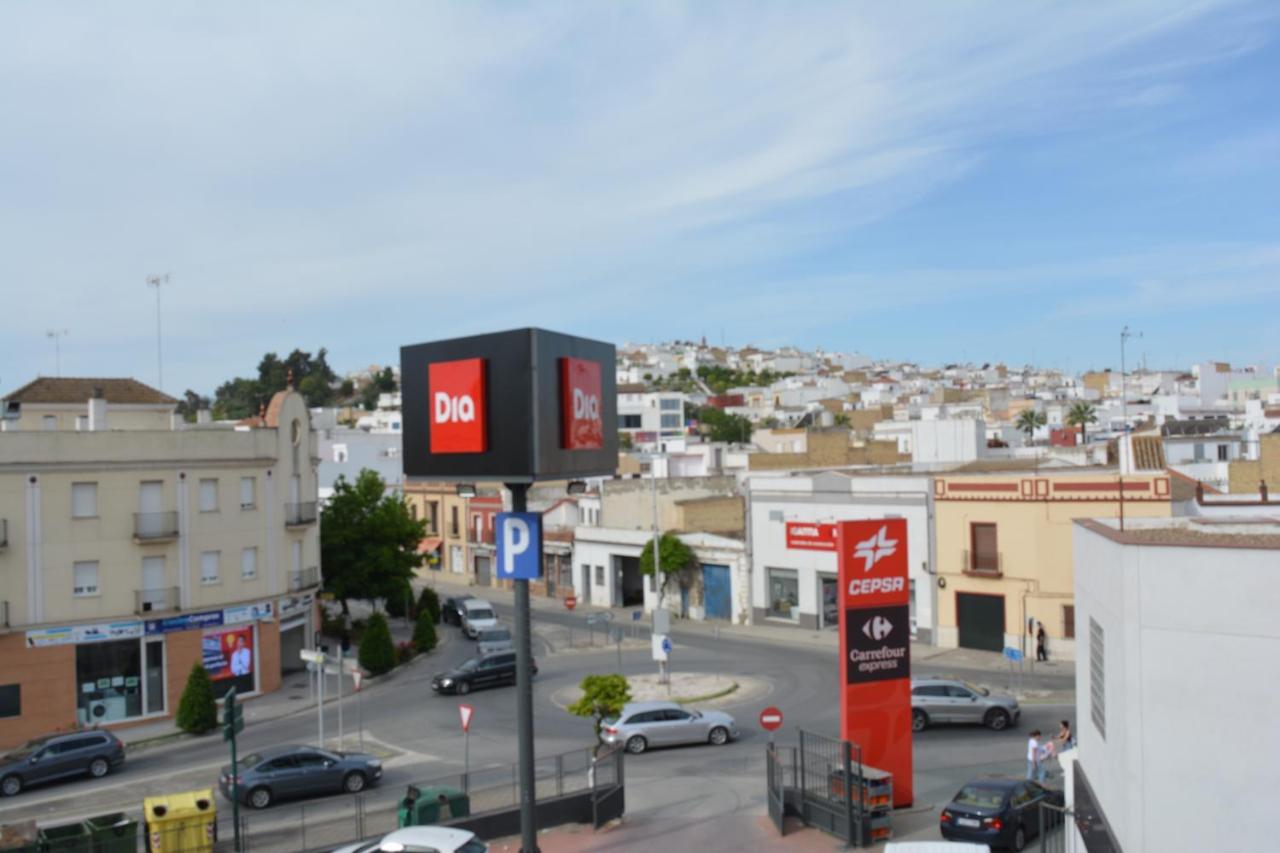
{"points": [[247, 613], [804, 536], [75, 634], [185, 622], [294, 604]]}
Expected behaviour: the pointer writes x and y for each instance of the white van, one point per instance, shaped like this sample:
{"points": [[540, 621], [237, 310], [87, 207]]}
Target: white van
{"points": [[477, 615]]}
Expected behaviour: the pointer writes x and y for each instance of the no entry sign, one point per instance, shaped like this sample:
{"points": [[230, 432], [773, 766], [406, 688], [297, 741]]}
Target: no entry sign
{"points": [[771, 719]]}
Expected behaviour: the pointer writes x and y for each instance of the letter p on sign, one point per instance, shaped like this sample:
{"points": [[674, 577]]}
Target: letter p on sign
{"points": [[519, 545]]}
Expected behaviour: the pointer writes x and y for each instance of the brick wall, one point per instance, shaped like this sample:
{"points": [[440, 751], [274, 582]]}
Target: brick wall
{"points": [[1245, 475], [830, 449], [48, 679], [712, 515]]}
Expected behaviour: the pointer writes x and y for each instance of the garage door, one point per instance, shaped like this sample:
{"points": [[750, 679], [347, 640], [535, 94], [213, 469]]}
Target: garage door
{"points": [[715, 591], [981, 621], [482, 571]]}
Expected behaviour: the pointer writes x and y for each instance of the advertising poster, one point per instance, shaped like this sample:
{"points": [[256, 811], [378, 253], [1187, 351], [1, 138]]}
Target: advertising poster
{"points": [[228, 658]]}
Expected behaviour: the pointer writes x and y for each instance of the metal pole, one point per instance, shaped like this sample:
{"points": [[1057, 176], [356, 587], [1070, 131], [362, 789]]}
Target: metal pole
{"points": [[320, 705], [360, 719], [342, 741], [1124, 425], [524, 697], [466, 761]]}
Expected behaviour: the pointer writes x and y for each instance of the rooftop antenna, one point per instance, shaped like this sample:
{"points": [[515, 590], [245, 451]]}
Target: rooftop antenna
{"points": [[57, 335], [155, 281]]}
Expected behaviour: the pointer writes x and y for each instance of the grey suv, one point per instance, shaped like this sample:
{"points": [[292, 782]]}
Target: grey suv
{"points": [[946, 700], [46, 759]]}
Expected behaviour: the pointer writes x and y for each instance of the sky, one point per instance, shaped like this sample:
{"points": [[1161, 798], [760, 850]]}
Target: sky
{"points": [[927, 181]]}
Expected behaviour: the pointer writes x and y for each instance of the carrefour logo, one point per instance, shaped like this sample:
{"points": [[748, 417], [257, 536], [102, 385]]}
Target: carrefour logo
{"points": [[456, 390]]}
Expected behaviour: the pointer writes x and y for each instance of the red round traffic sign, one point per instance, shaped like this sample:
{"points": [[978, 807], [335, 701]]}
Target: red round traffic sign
{"points": [[771, 719]]}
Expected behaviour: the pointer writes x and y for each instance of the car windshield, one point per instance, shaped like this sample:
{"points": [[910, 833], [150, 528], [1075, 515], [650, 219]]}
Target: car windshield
{"points": [[469, 665], [495, 635], [980, 796], [27, 749], [475, 845], [480, 613], [250, 760]]}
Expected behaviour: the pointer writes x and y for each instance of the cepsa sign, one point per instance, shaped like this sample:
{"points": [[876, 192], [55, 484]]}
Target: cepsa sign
{"points": [[581, 410], [458, 423]]}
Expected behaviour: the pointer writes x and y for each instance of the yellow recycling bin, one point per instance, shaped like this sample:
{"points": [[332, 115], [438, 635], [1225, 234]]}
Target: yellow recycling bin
{"points": [[186, 822]]}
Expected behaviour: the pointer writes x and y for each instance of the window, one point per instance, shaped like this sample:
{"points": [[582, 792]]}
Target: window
{"points": [[453, 521], [84, 500], [670, 421], [209, 561], [1068, 621], [249, 564], [82, 423], [49, 423], [248, 492], [413, 510], [784, 594], [985, 554], [671, 715], [1222, 453], [600, 575], [670, 405], [629, 422], [1198, 453], [936, 691], [10, 700], [1097, 678], [433, 517], [109, 681], [208, 495], [85, 578], [955, 692]]}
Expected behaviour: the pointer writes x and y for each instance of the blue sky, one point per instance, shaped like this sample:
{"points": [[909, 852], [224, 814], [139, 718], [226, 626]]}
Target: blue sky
{"points": [[927, 181]]}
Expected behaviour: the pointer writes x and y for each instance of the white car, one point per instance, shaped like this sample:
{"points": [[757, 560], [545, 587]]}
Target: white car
{"points": [[477, 615], [421, 839]]}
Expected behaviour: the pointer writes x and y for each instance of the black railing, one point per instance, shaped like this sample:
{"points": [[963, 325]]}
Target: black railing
{"points": [[155, 526], [300, 579], [296, 515], [155, 600]]}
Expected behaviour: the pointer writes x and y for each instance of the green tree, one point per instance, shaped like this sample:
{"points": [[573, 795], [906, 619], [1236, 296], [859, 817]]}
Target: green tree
{"points": [[377, 652], [624, 441], [602, 696], [424, 632], [197, 710], [1029, 421], [674, 558], [429, 601], [721, 426], [368, 541], [243, 397], [400, 603], [191, 403], [1081, 415]]}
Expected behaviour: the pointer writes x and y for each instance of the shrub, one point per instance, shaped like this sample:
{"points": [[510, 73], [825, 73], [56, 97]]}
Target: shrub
{"points": [[405, 651], [424, 632], [400, 604], [198, 710], [377, 653], [429, 601]]}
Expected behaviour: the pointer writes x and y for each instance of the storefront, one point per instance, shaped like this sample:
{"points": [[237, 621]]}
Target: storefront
{"points": [[784, 594], [295, 631], [119, 673]]}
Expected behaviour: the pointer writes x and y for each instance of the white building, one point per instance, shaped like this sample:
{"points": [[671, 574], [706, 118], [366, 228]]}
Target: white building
{"points": [[1176, 708], [649, 417], [799, 587]]}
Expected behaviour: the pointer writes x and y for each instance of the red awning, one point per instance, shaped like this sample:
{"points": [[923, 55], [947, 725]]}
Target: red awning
{"points": [[431, 543]]}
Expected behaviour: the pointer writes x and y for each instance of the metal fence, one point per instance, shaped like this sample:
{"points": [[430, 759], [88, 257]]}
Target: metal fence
{"points": [[594, 630], [1053, 824]]}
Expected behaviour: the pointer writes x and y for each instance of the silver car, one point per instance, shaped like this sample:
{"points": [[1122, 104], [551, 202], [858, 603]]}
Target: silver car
{"points": [[946, 700], [492, 640], [477, 615], [645, 724]]}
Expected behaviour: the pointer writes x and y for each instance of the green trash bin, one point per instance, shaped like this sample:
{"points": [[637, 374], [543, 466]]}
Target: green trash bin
{"points": [[113, 833], [68, 838], [422, 806]]}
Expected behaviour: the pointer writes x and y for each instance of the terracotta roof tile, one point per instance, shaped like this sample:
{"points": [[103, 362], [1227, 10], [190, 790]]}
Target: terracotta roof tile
{"points": [[57, 389]]}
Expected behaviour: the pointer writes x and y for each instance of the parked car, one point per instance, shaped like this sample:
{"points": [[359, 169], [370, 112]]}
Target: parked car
{"points": [[477, 615], [286, 772], [480, 671], [492, 640], [47, 759], [998, 812], [645, 724], [451, 610], [421, 839], [945, 700]]}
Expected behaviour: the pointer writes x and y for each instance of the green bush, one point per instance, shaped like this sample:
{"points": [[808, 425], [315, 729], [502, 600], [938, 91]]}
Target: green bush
{"points": [[429, 601], [405, 651], [401, 603], [424, 632], [198, 710], [377, 652]]}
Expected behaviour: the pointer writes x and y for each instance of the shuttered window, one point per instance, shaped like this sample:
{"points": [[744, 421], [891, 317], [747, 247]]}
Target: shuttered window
{"points": [[986, 555]]}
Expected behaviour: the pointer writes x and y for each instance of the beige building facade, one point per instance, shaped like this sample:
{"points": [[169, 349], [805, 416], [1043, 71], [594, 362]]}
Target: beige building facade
{"points": [[133, 546]]}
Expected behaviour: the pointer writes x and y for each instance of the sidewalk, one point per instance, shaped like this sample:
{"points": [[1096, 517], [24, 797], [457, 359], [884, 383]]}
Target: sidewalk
{"points": [[295, 694], [1053, 682]]}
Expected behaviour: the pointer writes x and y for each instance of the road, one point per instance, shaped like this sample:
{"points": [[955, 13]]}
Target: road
{"points": [[691, 790]]}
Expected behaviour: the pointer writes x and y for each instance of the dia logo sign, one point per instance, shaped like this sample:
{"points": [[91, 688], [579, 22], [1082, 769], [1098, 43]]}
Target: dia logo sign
{"points": [[457, 393], [580, 409]]}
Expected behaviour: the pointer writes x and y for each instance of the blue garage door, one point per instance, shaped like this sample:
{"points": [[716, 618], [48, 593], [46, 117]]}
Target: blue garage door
{"points": [[715, 589]]}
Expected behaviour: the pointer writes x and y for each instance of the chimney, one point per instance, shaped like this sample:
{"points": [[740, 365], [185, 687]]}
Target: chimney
{"points": [[204, 416], [97, 411], [1262, 490]]}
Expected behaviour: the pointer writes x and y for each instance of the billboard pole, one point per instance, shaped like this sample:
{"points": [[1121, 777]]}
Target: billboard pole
{"points": [[524, 695]]}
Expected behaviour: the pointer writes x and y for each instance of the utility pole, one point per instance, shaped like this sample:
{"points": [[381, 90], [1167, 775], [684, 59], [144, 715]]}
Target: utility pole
{"points": [[57, 335], [156, 281], [524, 696], [232, 725], [1125, 442]]}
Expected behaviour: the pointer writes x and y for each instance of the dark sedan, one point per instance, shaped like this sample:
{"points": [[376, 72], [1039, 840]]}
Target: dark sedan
{"points": [[482, 671], [997, 812], [286, 772], [451, 609]]}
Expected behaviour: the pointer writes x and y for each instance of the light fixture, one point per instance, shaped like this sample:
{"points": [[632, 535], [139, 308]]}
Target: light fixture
{"points": [[466, 490], [577, 487]]}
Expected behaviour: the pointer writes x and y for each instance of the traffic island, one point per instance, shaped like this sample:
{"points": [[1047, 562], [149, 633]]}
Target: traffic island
{"points": [[699, 689]]}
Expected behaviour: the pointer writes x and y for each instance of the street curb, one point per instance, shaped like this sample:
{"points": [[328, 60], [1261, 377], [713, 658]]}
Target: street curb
{"points": [[689, 700]]}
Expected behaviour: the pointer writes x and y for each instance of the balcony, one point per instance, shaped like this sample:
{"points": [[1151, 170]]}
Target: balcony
{"points": [[155, 600], [4, 533], [300, 579], [983, 566], [300, 515], [155, 526]]}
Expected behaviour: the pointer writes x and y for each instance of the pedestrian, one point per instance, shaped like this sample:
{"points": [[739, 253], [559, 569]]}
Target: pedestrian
{"points": [[1064, 737], [1033, 754], [1042, 648], [444, 810]]}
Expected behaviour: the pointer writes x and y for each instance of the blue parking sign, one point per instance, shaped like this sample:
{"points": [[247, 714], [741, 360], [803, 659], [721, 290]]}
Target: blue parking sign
{"points": [[519, 537]]}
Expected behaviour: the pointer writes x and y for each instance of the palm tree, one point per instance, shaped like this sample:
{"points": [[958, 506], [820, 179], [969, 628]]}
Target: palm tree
{"points": [[1029, 420], [1082, 414]]}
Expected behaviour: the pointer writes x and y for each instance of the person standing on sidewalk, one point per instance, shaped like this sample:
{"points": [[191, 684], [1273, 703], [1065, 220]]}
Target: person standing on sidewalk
{"points": [[1035, 770], [1042, 640]]}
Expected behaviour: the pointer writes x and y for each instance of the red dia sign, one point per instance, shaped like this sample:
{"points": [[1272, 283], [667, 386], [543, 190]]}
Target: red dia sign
{"points": [[580, 404], [458, 418], [875, 641], [803, 536]]}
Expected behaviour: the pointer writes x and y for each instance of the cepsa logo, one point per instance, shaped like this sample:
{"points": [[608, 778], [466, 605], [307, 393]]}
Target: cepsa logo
{"points": [[873, 565], [581, 409], [458, 418]]}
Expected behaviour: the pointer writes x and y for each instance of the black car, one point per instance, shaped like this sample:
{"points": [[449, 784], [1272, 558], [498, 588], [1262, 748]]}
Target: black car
{"points": [[997, 812], [451, 610], [287, 772], [47, 759], [480, 671]]}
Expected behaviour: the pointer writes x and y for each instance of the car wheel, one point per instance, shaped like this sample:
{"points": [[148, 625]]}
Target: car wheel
{"points": [[99, 768], [919, 720], [997, 720], [719, 736], [353, 782], [636, 744], [260, 798], [11, 786], [464, 687], [1019, 838]]}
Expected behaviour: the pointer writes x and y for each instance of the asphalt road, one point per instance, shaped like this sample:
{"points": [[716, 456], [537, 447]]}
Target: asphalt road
{"points": [[686, 790]]}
